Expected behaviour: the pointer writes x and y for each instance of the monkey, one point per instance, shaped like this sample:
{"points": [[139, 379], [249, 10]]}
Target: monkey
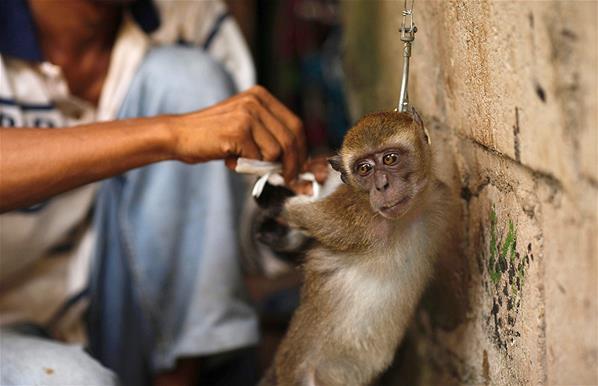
{"points": [[376, 238]]}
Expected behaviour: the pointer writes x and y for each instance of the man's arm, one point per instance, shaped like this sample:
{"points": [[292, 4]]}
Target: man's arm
{"points": [[38, 163]]}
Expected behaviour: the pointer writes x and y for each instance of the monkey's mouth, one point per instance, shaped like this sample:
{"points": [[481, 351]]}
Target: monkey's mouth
{"points": [[390, 209]]}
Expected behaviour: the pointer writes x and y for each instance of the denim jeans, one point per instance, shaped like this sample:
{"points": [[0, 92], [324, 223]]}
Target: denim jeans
{"points": [[166, 280]]}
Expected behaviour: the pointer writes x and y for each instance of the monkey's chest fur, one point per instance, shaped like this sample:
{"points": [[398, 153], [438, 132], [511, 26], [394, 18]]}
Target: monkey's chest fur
{"points": [[355, 307]]}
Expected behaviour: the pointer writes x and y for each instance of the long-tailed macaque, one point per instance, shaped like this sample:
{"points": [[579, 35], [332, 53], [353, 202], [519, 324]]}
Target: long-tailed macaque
{"points": [[376, 239]]}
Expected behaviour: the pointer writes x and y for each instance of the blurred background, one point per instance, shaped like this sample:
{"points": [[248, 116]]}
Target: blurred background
{"points": [[296, 45]]}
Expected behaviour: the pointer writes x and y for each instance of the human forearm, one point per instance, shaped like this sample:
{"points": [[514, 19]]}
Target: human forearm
{"points": [[39, 163]]}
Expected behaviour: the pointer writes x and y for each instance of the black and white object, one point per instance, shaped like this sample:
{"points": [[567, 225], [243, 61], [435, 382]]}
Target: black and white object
{"points": [[269, 174]]}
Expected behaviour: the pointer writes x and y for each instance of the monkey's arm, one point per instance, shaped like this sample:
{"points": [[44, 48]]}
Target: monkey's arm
{"points": [[328, 220]]}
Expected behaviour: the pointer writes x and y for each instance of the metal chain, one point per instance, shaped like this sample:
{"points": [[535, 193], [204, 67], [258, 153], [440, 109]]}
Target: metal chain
{"points": [[408, 30]]}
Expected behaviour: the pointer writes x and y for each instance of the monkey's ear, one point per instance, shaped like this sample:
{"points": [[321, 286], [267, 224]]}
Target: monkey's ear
{"points": [[337, 164], [418, 119]]}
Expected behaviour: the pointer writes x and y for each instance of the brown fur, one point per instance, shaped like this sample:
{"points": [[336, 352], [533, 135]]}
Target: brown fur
{"points": [[382, 127], [366, 275]]}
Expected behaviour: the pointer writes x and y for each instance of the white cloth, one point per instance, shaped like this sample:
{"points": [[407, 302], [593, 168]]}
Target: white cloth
{"points": [[269, 172]]}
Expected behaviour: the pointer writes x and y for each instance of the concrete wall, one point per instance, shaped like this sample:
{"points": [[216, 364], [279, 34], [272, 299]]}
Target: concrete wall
{"points": [[509, 93]]}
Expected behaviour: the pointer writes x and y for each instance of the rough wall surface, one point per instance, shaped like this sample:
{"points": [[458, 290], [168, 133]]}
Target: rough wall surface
{"points": [[509, 93]]}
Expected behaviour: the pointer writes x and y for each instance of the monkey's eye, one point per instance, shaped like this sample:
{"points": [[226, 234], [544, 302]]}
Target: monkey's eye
{"points": [[364, 169], [390, 159]]}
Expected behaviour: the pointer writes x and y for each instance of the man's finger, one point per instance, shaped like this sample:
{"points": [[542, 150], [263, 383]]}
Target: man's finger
{"points": [[247, 147], [268, 146], [290, 166], [286, 139], [285, 116], [231, 162], [302, 187], [319, 167]]}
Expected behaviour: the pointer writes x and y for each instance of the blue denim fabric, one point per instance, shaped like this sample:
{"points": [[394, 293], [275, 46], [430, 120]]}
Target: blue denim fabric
{"points": [[166, 281]]}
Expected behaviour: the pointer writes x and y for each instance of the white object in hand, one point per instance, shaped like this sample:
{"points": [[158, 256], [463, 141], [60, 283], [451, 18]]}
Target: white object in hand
{"points": [[270, 172]]}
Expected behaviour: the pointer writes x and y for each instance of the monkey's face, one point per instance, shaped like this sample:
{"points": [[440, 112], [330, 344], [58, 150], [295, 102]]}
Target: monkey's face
{"points": [[391, 177], [388, 156]]}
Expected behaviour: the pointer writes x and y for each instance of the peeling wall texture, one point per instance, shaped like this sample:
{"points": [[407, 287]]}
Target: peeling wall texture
{"points": [[508, 91]]}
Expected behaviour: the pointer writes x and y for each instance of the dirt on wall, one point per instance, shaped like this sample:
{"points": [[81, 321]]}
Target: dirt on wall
{"points": [[509, 93]]}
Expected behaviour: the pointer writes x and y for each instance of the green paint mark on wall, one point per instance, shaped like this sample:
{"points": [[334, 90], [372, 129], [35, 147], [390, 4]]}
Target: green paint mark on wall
{"points": [[500, 251], [506, 271], [495, 274], [510, 242]]}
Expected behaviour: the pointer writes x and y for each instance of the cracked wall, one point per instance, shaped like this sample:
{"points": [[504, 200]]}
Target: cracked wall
{"points": [[509, 93]]}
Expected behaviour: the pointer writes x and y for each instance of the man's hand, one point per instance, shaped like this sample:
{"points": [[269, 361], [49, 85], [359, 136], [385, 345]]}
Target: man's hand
{"points": [[39, 163], [252, 124]]}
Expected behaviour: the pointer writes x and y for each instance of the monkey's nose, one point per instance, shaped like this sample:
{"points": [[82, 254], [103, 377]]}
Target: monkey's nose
{"points": [[383, 187], [381, 182]]}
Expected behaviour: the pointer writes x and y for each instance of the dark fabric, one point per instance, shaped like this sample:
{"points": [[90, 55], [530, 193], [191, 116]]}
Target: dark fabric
{"points": [[145, 14], [17, 31]]}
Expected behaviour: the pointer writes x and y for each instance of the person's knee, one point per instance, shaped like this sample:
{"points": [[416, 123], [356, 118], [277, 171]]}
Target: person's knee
{"points": [[184, 78]]}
